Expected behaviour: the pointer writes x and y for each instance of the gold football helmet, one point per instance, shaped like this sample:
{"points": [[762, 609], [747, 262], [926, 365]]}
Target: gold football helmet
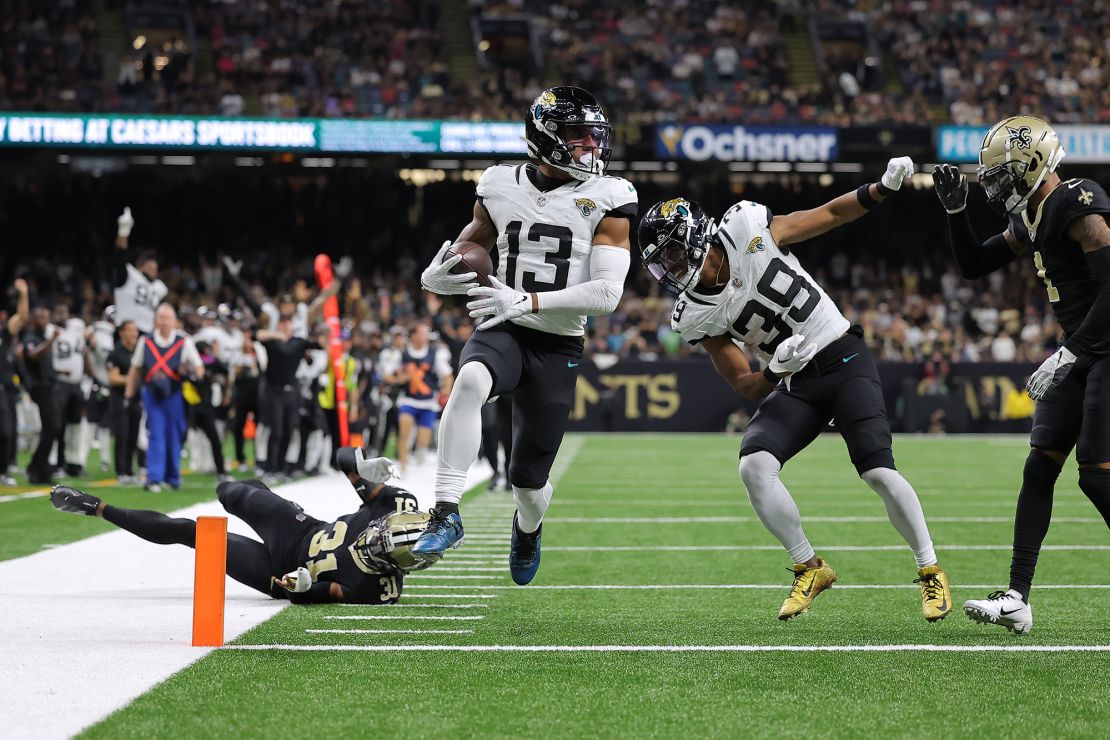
{"points": [[385, 546], [1016, 156]]}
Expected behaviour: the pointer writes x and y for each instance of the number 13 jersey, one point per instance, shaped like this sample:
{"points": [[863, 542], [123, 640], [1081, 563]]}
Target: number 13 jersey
{"points": [[545, 236], [769, 295]]}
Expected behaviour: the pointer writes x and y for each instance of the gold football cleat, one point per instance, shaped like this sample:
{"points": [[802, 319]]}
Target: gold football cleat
{"points": [[936, 598], [808, 582]]}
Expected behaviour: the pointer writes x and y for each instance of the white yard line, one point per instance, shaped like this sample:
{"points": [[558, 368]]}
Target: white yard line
{"points": [[824, 519], [408, 596], [684, 648], [425, 576], [389, 632], [114, 613], [696, 548], [732, 586], [420, 617]]}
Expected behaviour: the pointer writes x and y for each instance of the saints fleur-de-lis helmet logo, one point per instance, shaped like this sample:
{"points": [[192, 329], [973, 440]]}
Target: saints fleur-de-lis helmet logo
{"points": [[1019, 136]]}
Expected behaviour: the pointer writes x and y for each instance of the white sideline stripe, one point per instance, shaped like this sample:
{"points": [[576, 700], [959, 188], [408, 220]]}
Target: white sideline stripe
{"points": [[389, 632], [421, 617], [21, 496], [695, 548], [135, 628], [407, 596], [825, 519], [685, 648], [731, 586], [568, 451], [428, 576], [446, 565], [414, 606]]}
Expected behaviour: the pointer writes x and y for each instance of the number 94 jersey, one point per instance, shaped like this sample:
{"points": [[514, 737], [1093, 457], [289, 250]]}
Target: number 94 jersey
{"points": [[769, 295], [545, 237]]}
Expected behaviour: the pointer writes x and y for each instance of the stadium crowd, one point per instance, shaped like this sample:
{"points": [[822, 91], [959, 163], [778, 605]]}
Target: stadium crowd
{"points": [[697, 61]]}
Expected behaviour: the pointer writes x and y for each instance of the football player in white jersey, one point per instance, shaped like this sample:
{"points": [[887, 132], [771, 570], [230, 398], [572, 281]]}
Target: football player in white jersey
{"points": [[100, 338], [139, 291], [561, 228], [740, 282], [72, 365]]}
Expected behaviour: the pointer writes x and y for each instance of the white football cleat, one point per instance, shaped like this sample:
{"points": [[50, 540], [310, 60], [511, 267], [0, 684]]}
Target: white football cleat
{"points": [[1004, 608]]}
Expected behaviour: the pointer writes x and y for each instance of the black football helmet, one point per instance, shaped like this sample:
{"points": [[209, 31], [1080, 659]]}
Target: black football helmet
{"points": [[562, 114], [674, 238]]}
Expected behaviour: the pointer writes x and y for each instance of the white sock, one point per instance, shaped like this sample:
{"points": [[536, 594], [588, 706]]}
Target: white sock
{"points": [[84, 441], [773, 505], [261, 442], [531, 505], [460, 430], [904, 511], [104, 443]]}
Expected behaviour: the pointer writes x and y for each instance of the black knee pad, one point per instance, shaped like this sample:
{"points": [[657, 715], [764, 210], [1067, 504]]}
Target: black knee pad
{"points": [[1094, 482], [525, 476], [1041, 470]]}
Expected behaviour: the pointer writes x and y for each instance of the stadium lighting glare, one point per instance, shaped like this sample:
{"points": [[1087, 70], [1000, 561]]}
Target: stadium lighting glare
{"points": [[483, 46], [139, 42], [773, 167], [825, 180]]}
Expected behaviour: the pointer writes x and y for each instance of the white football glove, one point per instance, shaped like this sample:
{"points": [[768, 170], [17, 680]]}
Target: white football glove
{"points": [[343, 268], [791, 356], [1050, 373], [499, 302], [297, 581], [376, 469], [437, 277], [897, 170], [125, 223], [233, 267]]}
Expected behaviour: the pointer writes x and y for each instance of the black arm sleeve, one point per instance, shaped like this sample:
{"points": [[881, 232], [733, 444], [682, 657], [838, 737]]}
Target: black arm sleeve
{"points": [[1092, 335], [245, 295], [974, 259]]}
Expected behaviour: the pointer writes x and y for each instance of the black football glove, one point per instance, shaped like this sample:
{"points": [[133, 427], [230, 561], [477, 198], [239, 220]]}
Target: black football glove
{"points": [[951, 187]]}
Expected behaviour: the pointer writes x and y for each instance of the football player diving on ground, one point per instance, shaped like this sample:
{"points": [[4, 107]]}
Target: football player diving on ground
{"points": [[739, 281], [360, 558], [1063, 225], [561, 228]]}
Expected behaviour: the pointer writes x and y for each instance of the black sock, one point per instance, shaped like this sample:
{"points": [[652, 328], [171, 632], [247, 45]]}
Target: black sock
{"points": [[153, 526], [1096, 484], [447, 507], [1034, 512]]}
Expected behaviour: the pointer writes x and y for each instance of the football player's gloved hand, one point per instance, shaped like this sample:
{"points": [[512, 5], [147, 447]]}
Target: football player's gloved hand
{"points": [[297, 581], [125, 223], [233, 267], [437, 277], [376, 469], [343, 268], [499, 302], [1050, 373], [951, 187], [897, 170], [792, 355]]}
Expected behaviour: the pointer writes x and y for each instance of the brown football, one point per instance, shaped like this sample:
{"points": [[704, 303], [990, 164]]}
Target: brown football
{"points": [[475, 258]]}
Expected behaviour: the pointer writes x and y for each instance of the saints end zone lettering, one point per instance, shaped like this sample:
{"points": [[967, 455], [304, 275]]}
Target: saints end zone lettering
{"points": [[650, 396]]}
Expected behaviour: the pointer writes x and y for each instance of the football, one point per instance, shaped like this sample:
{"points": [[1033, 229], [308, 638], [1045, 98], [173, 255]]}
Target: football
{"points": [[475, 258]]}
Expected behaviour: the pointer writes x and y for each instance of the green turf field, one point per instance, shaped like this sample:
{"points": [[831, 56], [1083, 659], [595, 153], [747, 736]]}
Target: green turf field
{"points": [[696, 569]]}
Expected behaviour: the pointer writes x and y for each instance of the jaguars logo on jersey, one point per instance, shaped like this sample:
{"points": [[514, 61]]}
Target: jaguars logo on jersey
{"points": [[756, 245], [585, 205]]}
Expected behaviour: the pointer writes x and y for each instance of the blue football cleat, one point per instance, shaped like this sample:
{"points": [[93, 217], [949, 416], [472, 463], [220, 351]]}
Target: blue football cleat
{"points": [[524, 554], [444, 531]]}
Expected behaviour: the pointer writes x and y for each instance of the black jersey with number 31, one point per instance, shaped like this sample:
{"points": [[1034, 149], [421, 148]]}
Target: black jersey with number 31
{"points": [[1059, 259], [326, 551]]}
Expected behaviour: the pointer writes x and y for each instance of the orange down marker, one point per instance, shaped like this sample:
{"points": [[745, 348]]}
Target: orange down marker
{"points": [[208, 586]]}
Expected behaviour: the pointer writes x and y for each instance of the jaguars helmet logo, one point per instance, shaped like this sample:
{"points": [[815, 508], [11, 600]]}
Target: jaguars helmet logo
{"points": [[675, 205], [1021, 137], [756, 245], [586, 206]]}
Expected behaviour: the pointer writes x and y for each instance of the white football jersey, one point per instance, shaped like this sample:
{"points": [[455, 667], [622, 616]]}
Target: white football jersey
{"points": [[768, 298], [103, 342], [137, 299], [545, 238], [300, 318], [68, 351]]}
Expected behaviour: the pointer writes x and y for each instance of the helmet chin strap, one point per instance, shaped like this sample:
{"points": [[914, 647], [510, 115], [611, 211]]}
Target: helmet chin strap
{"points": [[1019, 205]]}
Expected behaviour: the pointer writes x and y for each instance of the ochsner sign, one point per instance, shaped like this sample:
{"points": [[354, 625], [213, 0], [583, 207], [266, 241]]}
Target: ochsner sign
{"points": [[746, 143]]}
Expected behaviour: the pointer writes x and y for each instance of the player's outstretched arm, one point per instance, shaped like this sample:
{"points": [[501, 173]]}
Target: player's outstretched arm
{"points": [[802, 225], [299, 588], [18, 320], [974, 259]]}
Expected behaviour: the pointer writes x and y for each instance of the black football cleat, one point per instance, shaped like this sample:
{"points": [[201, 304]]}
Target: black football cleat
{"points": [[524, 554], [69, 499]]}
